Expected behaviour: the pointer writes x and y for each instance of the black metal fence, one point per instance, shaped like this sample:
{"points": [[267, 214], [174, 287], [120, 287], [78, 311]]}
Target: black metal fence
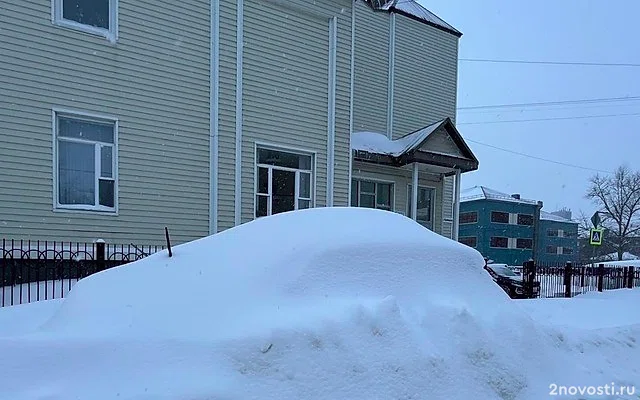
{"points": [[569, 280], [42, 270]]}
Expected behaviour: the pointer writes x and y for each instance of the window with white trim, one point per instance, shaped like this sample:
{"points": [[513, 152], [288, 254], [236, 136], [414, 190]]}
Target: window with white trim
{"points": [[85, 163], [371, 194], [426, 200], [284, 181], [99, 17]]}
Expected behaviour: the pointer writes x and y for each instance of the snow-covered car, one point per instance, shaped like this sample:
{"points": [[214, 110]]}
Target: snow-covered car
{"points": [[326, 303], [510, 281]]}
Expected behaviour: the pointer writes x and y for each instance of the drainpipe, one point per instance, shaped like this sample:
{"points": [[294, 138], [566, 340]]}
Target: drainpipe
{"points": [[536, 229], [456, 206], [414, 192]]}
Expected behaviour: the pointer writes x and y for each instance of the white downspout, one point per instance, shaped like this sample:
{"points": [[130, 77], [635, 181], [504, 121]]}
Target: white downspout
{"points": [[414, 193], [456, 206]]}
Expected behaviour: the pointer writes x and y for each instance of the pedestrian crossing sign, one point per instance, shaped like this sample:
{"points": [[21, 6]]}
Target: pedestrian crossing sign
{"points": [[595, 238]]}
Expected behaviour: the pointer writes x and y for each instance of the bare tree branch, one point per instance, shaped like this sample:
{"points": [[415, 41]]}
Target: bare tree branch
{"points": [[618, 197]]}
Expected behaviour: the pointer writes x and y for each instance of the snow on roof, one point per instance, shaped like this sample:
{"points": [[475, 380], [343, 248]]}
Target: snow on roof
{"points": [[379, 143], [552, 217], [484, 193], [415, 9]]}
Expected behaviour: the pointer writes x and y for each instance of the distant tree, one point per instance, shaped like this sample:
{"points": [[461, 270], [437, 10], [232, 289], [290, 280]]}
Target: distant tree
{"points": [[618, 198]]}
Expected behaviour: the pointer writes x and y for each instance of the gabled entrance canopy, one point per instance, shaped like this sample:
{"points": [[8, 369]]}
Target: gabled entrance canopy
{"points": [[438, 144]]}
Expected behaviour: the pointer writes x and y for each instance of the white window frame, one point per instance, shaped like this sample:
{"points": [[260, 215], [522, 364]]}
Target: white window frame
{"points": [[110, 34], [270, 168], [359, 179], [90, 117], [431, 223]]}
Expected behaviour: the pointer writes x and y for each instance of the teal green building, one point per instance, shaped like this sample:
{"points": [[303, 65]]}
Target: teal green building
{"points": [[509, 229]]}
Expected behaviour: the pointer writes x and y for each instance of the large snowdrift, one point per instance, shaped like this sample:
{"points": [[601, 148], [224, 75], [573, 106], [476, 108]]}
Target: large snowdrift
{"points": [[316, 304]]}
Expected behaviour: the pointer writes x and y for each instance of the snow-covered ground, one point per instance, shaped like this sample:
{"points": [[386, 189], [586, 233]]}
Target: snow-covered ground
{"points": [[315, 304]]}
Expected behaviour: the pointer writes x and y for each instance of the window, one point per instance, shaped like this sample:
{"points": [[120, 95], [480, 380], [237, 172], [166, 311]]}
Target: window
{"points": [[567, 250], [372, 194], [85, 163], [499, 217], [470, 241], [552, 250], [469, 217], [524, 243], [525, 219], [499, 242], [425, 204], [552, 232], [284, 182], [93, 16]]}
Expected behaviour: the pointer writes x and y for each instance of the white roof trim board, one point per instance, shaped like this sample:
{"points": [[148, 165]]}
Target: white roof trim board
{"points": [[484, 193], [379, 143], [415, 9]]}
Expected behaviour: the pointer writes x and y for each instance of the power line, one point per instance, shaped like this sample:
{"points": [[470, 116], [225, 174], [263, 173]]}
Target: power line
{"points": [[553, 103], [546, 119], [591, 64], [538, 158]]}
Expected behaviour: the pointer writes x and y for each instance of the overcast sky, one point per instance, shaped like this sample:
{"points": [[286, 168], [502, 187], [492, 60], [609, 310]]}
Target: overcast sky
{"points": [[545, 30]]}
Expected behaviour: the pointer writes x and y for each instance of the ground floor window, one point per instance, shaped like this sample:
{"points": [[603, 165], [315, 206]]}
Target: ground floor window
{"points": [[371, 194], [426, 197], [284, 181], [470, 241], [85, 162]]}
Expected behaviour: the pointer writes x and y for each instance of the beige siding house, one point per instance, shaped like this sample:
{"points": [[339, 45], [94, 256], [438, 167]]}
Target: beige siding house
{"points": [[119, 120]]}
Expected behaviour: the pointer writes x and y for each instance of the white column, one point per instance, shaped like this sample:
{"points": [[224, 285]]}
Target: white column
{"points": [[456, 206], [414, 192]]}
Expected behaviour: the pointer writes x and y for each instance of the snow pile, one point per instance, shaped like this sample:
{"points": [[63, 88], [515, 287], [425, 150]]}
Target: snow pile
{"points": [[315, 304]]}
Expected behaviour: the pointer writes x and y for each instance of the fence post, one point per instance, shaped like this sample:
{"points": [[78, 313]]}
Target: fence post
{"points": [[528, 278], [600, 277], [583, 272], [567, 279], [100, 264], [630, 277]]}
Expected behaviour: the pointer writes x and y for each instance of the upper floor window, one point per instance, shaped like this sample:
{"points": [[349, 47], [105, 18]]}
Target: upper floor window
{"points": [[470, 217], [567, 250], [525, 219], [99, 17], [372, 194], [552, 232], [500, 217], [552, 250], [85, 162]]}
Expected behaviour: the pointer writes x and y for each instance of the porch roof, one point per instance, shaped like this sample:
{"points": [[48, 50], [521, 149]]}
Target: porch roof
{"points": [[377, 148]]}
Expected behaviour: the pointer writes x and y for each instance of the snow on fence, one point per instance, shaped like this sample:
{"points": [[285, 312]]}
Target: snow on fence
{"points": [[568, 280], [43, 270]]}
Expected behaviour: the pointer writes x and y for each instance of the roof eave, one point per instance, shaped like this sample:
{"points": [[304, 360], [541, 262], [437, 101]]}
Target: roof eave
{"points": [[454, 32]]}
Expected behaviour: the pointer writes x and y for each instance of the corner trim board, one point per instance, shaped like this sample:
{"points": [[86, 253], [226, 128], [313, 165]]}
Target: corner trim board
{"points": [[351, 88], [214, 100], [238, 155], [331, 115], [391, 79]]}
